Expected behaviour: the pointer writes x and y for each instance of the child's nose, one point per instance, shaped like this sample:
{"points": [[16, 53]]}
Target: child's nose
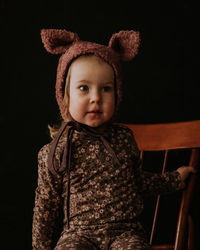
{"points": [[95, 97]]}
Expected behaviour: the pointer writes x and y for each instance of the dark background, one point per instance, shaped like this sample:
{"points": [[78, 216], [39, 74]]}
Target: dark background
{"points": [[160, 84]]}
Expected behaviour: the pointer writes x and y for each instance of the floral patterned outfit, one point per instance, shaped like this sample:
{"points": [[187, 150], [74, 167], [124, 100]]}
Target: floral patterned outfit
{"points": [[101, 199]]}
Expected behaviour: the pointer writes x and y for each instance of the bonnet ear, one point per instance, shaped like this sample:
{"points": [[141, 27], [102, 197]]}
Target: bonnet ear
{"points": [[126, 43], [57, 41]]}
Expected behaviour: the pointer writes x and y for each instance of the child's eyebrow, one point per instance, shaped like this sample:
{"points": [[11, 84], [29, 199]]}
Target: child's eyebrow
{"points": [[109, 83], [84, 81], [89, 82]]}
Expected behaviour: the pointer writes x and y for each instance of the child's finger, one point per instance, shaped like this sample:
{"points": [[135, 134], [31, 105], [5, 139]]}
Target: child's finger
{"points": [[192, 169], [189, 169]]}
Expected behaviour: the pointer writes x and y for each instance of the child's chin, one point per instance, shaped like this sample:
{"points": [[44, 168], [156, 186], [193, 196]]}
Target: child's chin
{"points": [[94, 124]]}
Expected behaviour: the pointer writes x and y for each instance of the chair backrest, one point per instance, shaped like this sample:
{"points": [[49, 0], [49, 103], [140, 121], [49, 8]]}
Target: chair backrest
{"points": [[168, 137]]}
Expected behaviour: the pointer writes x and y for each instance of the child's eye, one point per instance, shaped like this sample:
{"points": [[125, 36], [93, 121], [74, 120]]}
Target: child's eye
{"points": [[107, 89], [84, 88]]}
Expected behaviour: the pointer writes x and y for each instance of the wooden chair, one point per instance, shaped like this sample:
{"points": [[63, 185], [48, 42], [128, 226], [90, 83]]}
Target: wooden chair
{"points": [[166, 138]]}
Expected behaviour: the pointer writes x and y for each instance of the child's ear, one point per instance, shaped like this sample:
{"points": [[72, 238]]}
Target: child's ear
{"points": [[57, 41], [126, 43]]}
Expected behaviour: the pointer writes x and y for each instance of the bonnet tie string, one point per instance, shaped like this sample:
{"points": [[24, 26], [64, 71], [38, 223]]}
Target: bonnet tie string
{"points": [[52, 149], [103, 136], [66, 160], [66, 164]]}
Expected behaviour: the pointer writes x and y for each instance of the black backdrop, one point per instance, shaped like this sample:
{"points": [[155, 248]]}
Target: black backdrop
{"points": [[160, 84]]}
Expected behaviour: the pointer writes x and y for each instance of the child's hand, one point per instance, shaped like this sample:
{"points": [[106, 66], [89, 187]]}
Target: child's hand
{"points": [[184, 172]]}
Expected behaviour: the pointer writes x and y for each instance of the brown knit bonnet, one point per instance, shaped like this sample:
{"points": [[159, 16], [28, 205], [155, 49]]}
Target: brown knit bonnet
{"points": [[123, 46]]}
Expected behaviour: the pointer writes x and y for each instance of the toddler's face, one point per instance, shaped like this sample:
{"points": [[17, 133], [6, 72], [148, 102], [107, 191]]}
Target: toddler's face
{"points": [[92, 91]]}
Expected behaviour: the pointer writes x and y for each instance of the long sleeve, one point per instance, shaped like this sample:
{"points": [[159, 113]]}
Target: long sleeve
{"points": [[47, 204], [154, 183]]}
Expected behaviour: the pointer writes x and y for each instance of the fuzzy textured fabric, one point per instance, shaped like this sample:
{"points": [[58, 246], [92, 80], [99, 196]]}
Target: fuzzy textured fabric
{"points": [[123, 46]]}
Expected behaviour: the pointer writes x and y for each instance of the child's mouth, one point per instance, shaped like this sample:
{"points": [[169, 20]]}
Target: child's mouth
{"points": [[94, 112]]}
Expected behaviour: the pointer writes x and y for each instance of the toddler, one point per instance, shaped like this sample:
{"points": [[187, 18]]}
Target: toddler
{"points": [[89, 173]]}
